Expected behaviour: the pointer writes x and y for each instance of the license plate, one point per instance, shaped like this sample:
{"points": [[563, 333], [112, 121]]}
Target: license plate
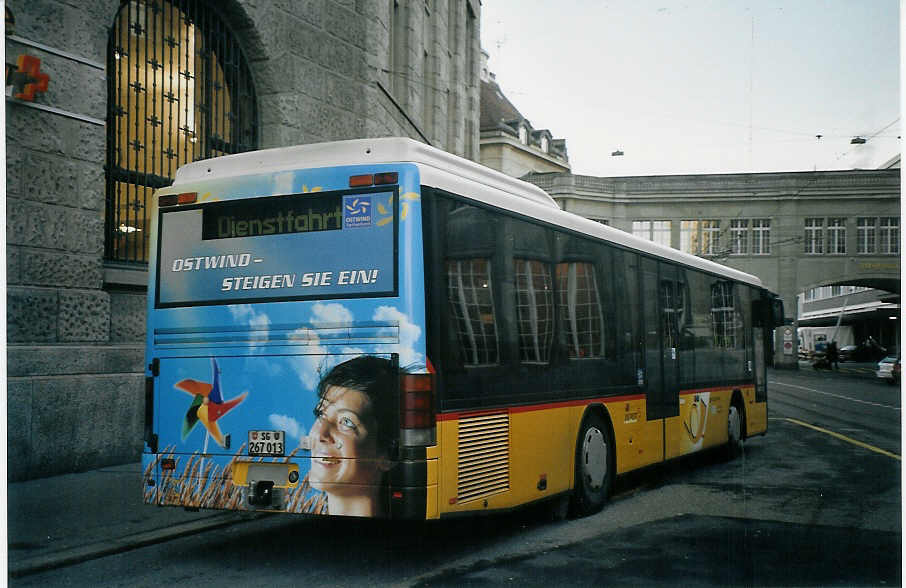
{"points": [[267, 444]]}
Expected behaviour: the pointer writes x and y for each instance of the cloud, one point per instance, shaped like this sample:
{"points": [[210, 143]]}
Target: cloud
{"points": [[283, 182], [409, 334], [330, 313], [308, 367], [316, 360], [244, 313], [289, 425]]}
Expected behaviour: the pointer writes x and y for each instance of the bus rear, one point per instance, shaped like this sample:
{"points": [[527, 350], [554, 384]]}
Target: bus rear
{"points": [[285, 346]]}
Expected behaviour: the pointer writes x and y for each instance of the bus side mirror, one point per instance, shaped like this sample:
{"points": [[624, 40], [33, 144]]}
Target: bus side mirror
{"points": [[777, 312], [768, 312]]}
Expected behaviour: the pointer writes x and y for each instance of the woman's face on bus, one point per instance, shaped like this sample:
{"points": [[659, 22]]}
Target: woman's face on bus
{"points": [[343, 443]]}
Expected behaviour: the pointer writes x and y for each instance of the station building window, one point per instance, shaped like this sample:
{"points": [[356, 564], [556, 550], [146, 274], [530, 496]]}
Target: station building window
{"points": [[836, 236], [866, 231], [657, 231], [739, 236], [814, 236], [761, 236], [889, 235]]}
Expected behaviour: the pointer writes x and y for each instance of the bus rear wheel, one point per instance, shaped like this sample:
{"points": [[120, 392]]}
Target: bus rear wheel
{"points": [[594, 466]]}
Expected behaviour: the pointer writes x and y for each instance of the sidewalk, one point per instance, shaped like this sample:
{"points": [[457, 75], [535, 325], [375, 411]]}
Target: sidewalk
{"points": [[71, 518]]}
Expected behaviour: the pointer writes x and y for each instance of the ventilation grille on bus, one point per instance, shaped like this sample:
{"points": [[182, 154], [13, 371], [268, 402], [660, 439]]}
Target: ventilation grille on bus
{"points": [[484, 457]]}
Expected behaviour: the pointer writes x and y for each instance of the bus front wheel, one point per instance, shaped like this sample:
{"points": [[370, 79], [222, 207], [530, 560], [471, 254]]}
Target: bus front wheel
{"points": [[594, 466]]}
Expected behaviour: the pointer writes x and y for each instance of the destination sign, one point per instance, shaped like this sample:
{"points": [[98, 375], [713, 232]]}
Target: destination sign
{"points": [[279, 215]]}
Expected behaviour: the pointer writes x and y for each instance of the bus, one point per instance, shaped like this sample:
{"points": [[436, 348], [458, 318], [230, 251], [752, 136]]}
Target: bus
{"points": [[378, 328]]}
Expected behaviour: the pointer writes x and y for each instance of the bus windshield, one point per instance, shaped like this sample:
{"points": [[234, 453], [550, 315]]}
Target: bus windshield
{"points": [[291, 247]]}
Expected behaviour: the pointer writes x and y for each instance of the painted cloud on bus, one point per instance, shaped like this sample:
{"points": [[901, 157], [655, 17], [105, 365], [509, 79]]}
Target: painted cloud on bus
{"points": [[409, 334]]}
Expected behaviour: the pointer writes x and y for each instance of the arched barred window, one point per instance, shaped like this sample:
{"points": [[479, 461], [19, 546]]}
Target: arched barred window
{"points": [[179, 90]]}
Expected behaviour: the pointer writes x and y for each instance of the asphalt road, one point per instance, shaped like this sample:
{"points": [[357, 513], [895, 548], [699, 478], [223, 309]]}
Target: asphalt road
{"points": [[862, 407], [815, 502]]}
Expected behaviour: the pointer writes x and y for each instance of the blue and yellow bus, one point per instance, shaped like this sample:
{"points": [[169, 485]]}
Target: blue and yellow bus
{"points": [[379, 328]]}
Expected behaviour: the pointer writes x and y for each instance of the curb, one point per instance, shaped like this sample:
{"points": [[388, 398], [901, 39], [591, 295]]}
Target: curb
{"points": [[82, 553]]}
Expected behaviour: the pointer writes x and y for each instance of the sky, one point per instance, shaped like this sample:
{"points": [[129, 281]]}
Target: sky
{"points": [[699, 86]]}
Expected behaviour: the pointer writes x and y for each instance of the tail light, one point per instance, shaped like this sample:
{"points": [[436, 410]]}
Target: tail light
{"points": [[174, 199], [380, 179], [417, 418], [150, 436]]}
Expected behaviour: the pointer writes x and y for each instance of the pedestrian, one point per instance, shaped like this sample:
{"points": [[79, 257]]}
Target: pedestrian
{"points": [[832, 355]]}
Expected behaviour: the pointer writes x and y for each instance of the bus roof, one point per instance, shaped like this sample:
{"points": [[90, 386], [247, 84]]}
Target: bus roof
{"points": [[445, 171], [357, 152]]}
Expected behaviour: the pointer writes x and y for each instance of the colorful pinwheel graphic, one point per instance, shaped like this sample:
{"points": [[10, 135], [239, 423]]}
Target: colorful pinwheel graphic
{"points": [[207, 405]]}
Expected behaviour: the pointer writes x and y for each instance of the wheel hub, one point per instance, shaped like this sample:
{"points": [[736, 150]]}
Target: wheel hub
{"points": [[733, 425], [594, 458]]}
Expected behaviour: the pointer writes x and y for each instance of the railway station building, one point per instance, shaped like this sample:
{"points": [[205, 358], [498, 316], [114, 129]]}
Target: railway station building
{"points": [[105, 99]]}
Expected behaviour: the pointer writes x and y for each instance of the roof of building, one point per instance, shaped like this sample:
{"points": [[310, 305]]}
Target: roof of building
{"points": [[496, 109], [499, 114]]}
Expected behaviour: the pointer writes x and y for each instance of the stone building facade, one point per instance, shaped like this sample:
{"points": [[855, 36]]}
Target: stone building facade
{"points": [[309, 71], [794, 230]]}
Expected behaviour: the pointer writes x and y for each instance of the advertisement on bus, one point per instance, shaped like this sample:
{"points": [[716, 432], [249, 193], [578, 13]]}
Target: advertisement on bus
{"points": [[278, 333]]}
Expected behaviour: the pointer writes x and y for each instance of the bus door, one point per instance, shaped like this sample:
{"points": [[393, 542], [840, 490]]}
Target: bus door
{"points": [[661, 339]]}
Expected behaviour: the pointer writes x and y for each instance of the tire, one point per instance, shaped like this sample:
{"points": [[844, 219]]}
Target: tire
{"points": [[735, 422], [594, 466]]}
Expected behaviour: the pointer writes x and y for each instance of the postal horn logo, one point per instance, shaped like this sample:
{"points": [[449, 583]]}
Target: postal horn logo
{"points": [[207, 405], [357, 211]]}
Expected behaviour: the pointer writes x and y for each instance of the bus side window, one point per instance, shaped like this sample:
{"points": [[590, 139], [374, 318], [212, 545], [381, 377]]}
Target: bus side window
{"points": [[470, 240], [727, 327], [471, 298], [703, 368], [626, 294], [534, 310], [581, 315], [745, 315]]}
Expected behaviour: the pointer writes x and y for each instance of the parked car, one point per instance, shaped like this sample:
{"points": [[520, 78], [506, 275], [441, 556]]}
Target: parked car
{"points": [[855, 353], [889, 369]]}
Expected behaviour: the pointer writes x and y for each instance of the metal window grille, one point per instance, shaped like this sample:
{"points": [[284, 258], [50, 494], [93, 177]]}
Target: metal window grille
{"points": [[472, 304], [534, 310], [580, 310], [179, 90]]}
